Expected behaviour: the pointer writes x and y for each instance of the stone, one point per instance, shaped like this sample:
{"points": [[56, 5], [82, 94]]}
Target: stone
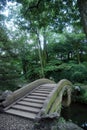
{"points": [[54, 128], [4, 95], [68, 126]]}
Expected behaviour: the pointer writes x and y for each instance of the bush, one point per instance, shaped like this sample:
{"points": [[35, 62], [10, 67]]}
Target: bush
{"points": [[79, 73], [71, 71], [83, 96], [78, 77]]}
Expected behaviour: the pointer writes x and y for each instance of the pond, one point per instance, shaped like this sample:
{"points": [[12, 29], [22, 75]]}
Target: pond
{"points": [[77, 113]]}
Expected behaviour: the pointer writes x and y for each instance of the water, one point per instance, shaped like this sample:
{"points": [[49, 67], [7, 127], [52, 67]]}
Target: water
{"points": [[77, 113]]}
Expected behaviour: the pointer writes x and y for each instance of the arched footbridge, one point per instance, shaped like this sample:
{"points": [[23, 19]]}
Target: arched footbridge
{"points": [[39, 99]]}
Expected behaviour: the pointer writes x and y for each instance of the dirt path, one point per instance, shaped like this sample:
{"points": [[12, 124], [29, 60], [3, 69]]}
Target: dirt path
{"points": [[10, 122]]}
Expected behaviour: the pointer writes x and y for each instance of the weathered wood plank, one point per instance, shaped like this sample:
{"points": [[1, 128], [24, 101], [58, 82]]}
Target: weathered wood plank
{"points": [[26, 108], [37, 105], [39, 94], [21, 113], [34, 100], [36, 97]]}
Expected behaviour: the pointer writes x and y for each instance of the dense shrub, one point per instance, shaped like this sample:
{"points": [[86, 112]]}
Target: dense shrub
{"points": [[71, 71], [78, 76], [79, 73]]}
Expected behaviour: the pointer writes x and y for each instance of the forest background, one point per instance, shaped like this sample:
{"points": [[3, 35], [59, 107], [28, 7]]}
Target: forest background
{"points": [[42, 38]]}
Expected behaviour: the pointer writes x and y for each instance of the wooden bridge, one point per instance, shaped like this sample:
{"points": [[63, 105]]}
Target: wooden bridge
{"points": [[39, 99]]}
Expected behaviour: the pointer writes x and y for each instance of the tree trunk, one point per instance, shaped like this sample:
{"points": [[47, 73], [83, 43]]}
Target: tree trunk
{"points": [[45, 53], [82, 4], [40, 55]]}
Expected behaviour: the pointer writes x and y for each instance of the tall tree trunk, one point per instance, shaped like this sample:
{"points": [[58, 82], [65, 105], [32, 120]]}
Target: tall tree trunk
{"points": [[82, 4], [45, 53], [40, 55]]}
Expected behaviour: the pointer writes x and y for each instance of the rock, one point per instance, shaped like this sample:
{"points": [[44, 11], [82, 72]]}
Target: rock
{"points": [[4, 95], [84, 126], [54, 128], [50, 124], [68, 126], [77, 88]]}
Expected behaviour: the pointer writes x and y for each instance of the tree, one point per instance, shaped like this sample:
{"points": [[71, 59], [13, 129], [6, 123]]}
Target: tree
{"points": [[82, 4], [9, 62], [10, 69], [58, 14], [37, 39], [75, 45]]}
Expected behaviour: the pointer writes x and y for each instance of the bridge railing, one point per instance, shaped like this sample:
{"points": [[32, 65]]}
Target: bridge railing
{"points": [[52, 105], [16, 95]]}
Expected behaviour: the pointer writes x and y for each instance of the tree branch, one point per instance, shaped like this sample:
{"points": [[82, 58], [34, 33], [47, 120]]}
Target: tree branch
{"points": [[32, 7]]}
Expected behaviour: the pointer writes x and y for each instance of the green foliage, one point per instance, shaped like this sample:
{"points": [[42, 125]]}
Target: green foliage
{"points": [[61, 120], [10, 69], [79, 73], [78, 77], [83, 98], [80, 94], [71, 71], [54, 13], [37, 47], [83, 95]]}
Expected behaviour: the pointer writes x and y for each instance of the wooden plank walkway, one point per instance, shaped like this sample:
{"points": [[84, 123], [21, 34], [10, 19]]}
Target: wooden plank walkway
{"points": [[30, 105]]}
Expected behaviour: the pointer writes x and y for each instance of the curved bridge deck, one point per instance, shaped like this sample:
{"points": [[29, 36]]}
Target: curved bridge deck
{"points": [[39, 99], [30, 105]]}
